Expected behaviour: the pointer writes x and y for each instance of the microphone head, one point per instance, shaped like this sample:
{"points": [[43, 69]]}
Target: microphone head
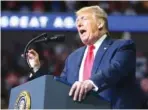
{"points": [[46, 39], [58, 38]]}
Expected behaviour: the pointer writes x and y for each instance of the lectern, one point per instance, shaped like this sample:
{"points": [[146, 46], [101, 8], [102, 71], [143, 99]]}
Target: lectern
{"points": [[47, 93]]}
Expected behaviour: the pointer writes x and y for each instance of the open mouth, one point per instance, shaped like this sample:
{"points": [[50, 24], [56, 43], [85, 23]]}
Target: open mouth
{"points": [[82, 31]]}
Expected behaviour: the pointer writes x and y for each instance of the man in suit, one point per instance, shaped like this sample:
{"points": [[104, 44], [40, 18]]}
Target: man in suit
{"points": [[103, 65]]}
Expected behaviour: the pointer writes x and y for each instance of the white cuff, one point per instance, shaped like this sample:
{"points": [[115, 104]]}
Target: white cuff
{"points": [[35, 69], [95, 87]]}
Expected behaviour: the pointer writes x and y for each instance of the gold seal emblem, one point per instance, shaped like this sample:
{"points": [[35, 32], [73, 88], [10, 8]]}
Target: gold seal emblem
{"points": [[23, 101]]}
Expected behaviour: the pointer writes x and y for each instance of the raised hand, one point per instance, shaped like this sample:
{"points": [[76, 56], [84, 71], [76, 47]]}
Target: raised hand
{"points": [[33, 58]]}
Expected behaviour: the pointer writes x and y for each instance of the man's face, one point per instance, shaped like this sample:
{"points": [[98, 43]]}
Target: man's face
{"points": [[87, 28]]}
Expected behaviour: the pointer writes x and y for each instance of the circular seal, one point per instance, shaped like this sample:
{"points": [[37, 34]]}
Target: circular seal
{"points": [[23, 101]]}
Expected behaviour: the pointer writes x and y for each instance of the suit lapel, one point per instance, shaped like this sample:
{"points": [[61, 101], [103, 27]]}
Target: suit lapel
{"points": [[100, 53], [79, 60]]}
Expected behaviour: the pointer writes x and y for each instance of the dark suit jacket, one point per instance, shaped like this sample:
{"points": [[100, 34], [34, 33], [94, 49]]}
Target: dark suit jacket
{"points": [[113, 72]]}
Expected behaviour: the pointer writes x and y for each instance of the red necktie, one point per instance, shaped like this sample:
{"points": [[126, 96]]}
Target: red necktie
{"points": [[88, 63]]}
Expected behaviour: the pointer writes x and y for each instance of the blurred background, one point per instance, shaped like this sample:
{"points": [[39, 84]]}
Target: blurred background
{"points": [[23, 20]]}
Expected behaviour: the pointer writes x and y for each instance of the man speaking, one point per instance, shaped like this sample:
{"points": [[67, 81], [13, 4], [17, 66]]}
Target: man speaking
{"points": [[104, 65]]}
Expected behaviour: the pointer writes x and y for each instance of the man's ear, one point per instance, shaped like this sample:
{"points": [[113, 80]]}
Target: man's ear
{"points": [[100, 26]]}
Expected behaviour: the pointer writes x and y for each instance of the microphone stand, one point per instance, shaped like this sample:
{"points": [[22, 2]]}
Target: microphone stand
{"points": [[27, 47]]}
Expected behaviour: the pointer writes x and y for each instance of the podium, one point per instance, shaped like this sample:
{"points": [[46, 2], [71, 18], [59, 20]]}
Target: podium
{"points": [[47, 93]]}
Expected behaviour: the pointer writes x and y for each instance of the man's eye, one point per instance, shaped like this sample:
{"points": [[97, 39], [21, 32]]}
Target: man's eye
{"points": [[84, 18]]}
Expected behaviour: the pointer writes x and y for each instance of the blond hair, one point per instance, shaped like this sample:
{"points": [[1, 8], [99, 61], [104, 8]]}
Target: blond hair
{"points": [[98, 12]]}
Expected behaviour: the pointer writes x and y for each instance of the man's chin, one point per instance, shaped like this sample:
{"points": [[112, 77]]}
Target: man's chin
{"points": [[86, 41]]}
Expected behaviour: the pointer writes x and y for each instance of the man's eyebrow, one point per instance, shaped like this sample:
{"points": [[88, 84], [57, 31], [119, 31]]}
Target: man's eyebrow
{"points": [[81, 17]]}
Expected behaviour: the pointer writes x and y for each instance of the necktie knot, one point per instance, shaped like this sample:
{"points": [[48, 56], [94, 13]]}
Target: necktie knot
{"points": [[91, 48]]}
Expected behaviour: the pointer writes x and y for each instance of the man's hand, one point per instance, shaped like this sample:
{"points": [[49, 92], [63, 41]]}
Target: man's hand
{"points": [[33, 58], [80, 89]]}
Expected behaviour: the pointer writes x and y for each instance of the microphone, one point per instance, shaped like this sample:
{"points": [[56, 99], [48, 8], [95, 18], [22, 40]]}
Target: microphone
{"points": [[56, 38]]}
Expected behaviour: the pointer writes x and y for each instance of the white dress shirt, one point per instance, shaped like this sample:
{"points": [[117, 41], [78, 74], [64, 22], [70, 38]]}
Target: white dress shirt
{"points": [[97, 45]]}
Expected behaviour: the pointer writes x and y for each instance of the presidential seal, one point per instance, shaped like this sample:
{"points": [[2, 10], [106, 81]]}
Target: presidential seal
{"points": [[23, 102]]}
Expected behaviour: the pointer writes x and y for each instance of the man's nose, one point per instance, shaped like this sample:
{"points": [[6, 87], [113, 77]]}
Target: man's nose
{"points": [[79, 24]]}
